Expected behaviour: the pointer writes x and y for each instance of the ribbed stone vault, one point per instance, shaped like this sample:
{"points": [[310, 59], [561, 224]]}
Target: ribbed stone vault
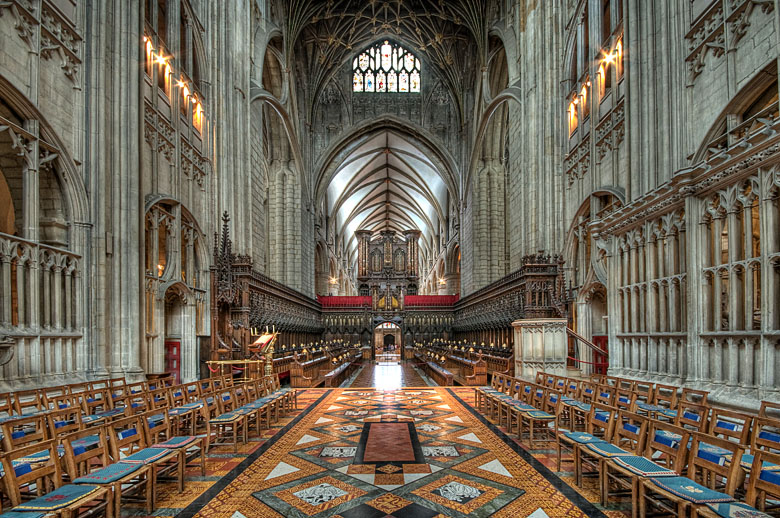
{"points": [[387, 183]]}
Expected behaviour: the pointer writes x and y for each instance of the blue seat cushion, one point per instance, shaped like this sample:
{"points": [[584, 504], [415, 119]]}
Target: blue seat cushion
{"points": [[582, 437], [606, 449], [147, 455], [227, 418], [177, 442], [691, 491], [643, 466], [22, 514], [110, 473], [111, 413], [671, 414], [59, 498], [736, 510], [539, 414], [648, 407]]}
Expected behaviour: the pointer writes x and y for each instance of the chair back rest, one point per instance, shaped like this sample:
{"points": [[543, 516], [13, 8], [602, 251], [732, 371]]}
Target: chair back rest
{"points": [[45, 475], [27, 402], [47, 394], [137, 388], [705, 465], [560, 383], [242, 398], [573, 388], [766, 435], [81, 460], [734, 426], [6, 405], [66, 401], [553, 401], [156, 425], [694, 396], [665, 396], [76, 388], [692, 416], [192, 391], [610, 381], [160, 398], [210, 403], [625, 399], [667, 445], [630, 431], [769, 409], [588, 391], [22, 431], [178, 396], [126, 436], [625, 384], [98, 385], [540, 375], [644, 391], [137, 403], [763, 484], [63, 421], [253, 390], [605, 395], [226, 400], [227, 380], [601, 421], [96, 401]]}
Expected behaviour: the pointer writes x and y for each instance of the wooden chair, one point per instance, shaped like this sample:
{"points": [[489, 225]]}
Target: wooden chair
{"points": [[128, 443], [159, 434], [708, 479], [537, 422], [630, 435], [37, 486], [95, 466], [566, 440], [230, 424], [602, 423], [517, 405], [624, 473]]}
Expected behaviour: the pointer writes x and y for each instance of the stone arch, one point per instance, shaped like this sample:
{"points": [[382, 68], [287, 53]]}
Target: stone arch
{"points": [[59, 169], [761, 83], [328, 165]]}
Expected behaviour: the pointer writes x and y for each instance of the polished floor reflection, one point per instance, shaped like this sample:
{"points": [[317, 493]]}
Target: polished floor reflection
{"points": [[388, 375]]}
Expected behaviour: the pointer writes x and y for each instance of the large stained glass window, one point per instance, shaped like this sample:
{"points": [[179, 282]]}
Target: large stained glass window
{"points": [[386, 67]]}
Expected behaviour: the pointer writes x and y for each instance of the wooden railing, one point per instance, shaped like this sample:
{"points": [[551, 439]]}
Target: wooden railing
{"points": [[306, 374]]}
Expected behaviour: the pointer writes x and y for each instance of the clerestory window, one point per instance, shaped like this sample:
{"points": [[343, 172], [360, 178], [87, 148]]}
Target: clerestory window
{"points": [[386, 67]]}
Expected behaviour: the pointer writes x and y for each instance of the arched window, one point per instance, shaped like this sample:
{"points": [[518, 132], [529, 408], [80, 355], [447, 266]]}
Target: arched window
{"points": [[386, 67]]}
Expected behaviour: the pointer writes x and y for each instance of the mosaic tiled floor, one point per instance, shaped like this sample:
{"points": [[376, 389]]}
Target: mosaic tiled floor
{"points": [[365, 453]]}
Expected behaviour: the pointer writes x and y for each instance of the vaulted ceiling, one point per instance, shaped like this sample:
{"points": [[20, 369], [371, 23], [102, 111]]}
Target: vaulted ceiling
{"points": [[387, 183], [327, 34]]}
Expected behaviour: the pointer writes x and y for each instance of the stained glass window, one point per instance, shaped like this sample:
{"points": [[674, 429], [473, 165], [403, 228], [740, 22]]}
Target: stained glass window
{"points": [[386, 67]]}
